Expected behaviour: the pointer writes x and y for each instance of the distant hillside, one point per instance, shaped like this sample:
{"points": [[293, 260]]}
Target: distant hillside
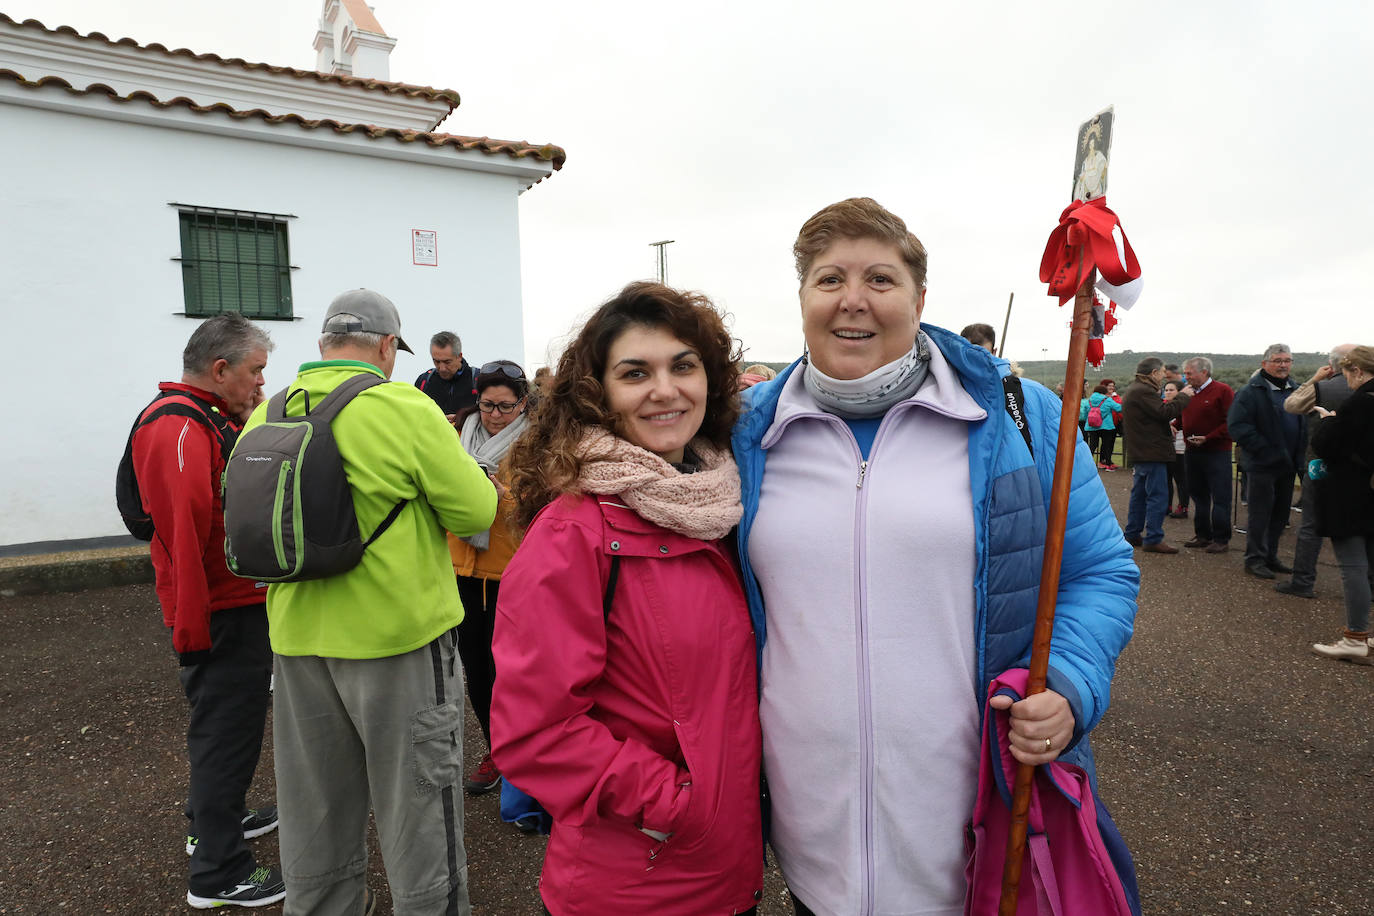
{"points": [[1234, 369]]}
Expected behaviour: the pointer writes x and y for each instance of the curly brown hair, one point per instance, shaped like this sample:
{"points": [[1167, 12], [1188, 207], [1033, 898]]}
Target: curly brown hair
{"points": [[544, 462]]}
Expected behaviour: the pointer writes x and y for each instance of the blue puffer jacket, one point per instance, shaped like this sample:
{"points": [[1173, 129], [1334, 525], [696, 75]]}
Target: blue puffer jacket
{"points": [[1098, 580]]}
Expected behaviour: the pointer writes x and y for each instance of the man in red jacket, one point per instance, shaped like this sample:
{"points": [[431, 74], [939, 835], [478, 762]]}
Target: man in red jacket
{"points": [[1208, 456], [218, 621]]}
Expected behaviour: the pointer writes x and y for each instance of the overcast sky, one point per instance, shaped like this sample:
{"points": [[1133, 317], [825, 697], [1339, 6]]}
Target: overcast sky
{"points": [[1239, 165]]}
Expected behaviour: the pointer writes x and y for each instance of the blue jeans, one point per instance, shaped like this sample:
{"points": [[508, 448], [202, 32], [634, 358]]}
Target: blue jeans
{"points": [[1149, 500], [1355, 555], [1209, 480]]}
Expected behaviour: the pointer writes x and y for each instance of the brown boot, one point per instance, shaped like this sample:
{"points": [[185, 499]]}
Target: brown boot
{"points": [[1161, 547], [1197, 542]]}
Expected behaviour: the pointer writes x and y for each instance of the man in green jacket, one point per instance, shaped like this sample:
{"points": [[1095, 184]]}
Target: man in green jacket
{"points": [[368, 702]]}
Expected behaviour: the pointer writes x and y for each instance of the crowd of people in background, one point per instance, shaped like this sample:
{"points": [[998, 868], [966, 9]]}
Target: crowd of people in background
{"points": [[622, 555], [1257, 444]]}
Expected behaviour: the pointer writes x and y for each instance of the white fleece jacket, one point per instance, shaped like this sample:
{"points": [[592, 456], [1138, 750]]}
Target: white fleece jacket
{"points": [[869, 708]]}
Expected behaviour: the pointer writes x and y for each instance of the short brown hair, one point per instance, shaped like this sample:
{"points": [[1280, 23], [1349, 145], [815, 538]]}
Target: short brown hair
{"points": [[858, 218], [1359, 358], [544, 462], [980, 334]]}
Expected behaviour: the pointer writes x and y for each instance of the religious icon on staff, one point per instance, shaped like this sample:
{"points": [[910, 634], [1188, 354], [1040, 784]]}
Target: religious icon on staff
{"points": [[1090, 165]]}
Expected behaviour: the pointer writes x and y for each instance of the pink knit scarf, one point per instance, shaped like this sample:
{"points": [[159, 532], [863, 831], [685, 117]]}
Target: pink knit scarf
{"points": [[704, 505]]}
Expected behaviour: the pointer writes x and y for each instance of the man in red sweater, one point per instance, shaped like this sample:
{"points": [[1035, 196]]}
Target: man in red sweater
{"points": [[1208, 456], [218, 621]]}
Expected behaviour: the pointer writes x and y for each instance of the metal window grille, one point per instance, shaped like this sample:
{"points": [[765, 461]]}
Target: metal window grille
{"points": [[234, 261]]}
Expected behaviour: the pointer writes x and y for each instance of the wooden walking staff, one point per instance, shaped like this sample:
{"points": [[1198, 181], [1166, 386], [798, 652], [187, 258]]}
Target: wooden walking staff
{"points": [[1049, 576], [1006, 324], [1084, 240]]}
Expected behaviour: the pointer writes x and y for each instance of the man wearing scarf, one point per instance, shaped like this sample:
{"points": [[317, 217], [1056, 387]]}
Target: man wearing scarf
{"points": [[1273, 440]]}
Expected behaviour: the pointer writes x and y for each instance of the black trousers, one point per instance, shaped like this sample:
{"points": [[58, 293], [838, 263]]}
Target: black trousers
{"points": [[474, 644], [1178, 482], [800, 908], [1106, 445], [1270, 500], [1209, 480], [228, 697]]}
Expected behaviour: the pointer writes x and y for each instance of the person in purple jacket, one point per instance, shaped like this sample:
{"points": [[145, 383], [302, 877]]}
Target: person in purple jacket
{"points": [[891, 543]]}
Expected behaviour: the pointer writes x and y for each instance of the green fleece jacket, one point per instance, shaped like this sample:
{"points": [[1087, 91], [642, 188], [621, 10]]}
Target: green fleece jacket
{"points": [[395, 446]]}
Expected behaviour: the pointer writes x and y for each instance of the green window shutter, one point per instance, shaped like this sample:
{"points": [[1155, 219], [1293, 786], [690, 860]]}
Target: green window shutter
{"points": [[235, 261]]}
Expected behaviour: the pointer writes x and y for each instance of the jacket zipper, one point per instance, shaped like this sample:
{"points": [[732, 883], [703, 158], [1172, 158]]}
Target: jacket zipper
{"points": [[866, 750], [282, 474], [865, 694]]}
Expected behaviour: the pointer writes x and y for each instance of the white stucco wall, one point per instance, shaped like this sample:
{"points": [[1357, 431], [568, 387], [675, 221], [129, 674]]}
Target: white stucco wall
{"points": [[88, 290]]}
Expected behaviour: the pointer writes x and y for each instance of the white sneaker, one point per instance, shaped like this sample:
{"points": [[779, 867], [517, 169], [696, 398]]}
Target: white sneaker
{"points": [[1345, 647]]}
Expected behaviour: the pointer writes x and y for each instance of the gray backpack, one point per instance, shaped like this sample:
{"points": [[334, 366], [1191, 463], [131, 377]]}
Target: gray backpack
{"points": [[288, 508]]}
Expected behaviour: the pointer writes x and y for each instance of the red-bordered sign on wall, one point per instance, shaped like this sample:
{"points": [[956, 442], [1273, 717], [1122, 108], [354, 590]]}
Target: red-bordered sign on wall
{"points": [[424, 247]]}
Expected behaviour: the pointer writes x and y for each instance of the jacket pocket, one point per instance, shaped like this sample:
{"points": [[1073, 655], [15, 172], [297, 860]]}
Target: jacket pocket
{"points": [[436, 738], [703, 797]]}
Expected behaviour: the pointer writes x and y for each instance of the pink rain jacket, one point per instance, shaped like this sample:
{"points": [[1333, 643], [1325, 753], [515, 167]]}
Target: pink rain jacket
{"points": [[643, 717]]}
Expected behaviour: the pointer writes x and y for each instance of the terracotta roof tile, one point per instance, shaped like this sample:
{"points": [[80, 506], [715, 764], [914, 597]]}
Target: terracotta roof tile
{"points": [[363, 17], [429, 92], [516, 149]]}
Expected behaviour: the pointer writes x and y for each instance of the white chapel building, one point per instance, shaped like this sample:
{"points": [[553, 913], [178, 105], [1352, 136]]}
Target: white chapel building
{"points": [[145, 189]]}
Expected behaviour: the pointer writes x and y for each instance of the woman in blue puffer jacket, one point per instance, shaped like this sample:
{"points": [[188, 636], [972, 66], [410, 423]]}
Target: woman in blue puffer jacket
{"points": [[891, 544]]}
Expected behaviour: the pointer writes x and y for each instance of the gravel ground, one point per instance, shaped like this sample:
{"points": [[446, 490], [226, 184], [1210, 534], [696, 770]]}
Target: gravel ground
{"points": [[1235, 762]]}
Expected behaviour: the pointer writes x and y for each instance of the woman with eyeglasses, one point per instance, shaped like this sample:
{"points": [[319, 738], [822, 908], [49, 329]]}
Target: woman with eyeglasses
{"points": [[487, 431]]}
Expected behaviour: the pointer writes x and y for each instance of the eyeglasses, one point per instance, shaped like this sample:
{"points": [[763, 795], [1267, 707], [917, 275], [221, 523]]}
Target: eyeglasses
{"points": [[503, 407], [504, 366]]}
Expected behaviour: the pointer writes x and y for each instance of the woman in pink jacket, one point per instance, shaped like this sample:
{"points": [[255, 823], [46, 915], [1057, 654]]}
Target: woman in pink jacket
{"points": [[626, 695]]}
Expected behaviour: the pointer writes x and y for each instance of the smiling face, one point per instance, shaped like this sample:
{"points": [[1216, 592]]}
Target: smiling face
{"points": [[1195, 374], [656, 385], [860, 308]]}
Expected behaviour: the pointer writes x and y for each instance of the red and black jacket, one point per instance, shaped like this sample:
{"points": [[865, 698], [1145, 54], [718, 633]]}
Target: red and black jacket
{"points": [[179, 461]]}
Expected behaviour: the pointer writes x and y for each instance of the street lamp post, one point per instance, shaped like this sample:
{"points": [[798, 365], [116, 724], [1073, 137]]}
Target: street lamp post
{"points": [[662, 247]]}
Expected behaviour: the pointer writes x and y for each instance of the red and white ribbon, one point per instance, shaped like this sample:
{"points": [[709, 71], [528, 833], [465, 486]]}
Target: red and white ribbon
{"points": [[1091, 227]]}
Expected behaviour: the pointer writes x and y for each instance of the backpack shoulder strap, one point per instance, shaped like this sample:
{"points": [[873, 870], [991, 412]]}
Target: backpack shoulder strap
{"points": [[276, 405], [347, 390], [181, 404], [1014, 400]]}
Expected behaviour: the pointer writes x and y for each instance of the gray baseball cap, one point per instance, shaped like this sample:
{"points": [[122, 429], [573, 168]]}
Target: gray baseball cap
{"points": [[364, 310]]}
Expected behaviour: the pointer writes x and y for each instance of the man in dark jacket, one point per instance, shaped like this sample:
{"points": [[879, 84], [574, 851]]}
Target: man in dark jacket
{"points": [[1327, 388], [451, 382], [218, 621], [1150, 448], [1274, 441]]}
